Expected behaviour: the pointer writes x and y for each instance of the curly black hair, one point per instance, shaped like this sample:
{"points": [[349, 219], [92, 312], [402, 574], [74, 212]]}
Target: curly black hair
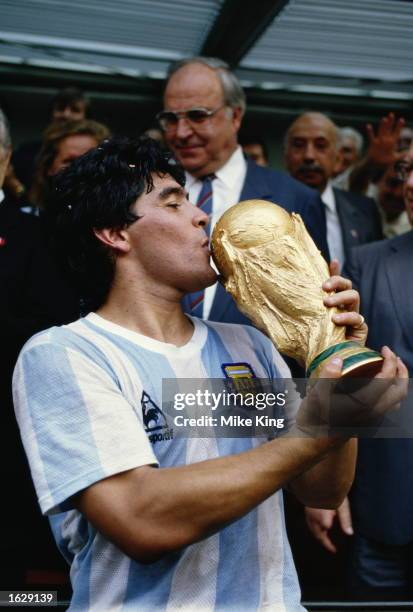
{"points": [[97, 191]]}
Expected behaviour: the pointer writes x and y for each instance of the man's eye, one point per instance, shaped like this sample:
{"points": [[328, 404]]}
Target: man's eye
{"points": [[173, 205], [197, 116]]}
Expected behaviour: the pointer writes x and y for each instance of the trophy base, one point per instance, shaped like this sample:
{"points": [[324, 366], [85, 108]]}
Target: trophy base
{"points": [[357, 360]]}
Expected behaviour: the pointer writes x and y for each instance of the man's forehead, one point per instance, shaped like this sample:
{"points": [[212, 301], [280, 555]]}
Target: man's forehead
{"points": [[162, 182], [194, 82], [312, 128]]}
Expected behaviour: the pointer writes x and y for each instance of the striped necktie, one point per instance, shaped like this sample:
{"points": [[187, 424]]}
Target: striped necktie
{"points": [[196, 299]]}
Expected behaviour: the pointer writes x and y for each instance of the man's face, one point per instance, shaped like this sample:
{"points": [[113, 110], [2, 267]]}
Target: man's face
{"points": [[390, 194], [202, 148], [69, 149], [168, 242], [408, 186], [311, 154], [256, 153], [349, 153], [75, 111]]}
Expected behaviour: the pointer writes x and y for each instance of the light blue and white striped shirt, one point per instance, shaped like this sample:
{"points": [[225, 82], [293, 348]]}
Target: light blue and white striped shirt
{"points": [[78, 392]]}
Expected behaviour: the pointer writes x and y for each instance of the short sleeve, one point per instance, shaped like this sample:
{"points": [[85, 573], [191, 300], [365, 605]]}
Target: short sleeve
{"points": [[77, 427]]}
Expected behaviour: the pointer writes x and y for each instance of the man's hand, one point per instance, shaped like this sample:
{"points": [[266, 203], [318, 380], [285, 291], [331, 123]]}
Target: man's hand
{"points": [[320, 523], [337, 406], [381, 153], [382, 147], [348, 300]]}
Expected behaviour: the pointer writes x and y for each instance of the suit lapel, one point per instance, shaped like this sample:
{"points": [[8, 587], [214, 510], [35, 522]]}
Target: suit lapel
{"points": [[398, 266], [349, 221], [256, 186]]}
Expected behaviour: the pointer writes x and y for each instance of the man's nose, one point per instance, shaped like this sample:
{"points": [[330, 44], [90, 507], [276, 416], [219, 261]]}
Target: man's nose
{"points": [[183, 128], [309, 151], [200, 218]]}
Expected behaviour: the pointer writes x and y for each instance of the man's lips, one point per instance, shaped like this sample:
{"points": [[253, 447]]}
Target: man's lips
{"points": [[205, 246], [187, 148], [306, 171]]}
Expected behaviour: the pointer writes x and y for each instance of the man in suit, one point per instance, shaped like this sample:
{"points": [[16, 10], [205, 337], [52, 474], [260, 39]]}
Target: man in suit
{"points": [[33, 297], [312, 155], [382, 495], [204, 105]]}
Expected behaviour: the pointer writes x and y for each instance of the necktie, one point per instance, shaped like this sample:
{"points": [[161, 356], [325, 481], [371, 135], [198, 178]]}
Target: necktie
{"points": [[196, 299]]}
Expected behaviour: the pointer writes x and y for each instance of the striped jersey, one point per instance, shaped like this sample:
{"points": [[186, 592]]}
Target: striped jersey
{"points": [[86, 398]]}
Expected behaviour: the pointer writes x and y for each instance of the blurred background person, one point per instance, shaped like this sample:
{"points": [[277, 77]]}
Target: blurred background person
{"points": [[68, 104], [255, 148], [381, 499], [390, 200], [405, 139], [33, 297], [63, 142], [351, 147], [312, 156]]}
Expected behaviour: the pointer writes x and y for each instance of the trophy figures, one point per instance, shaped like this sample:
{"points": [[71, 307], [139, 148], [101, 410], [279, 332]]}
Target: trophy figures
{"points": [[273, 270]]}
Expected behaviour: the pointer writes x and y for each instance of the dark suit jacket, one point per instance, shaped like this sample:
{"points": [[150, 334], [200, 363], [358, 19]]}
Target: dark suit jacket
{"points": [[273, 186], [33, 296], [382, 496], [33, 293], [359, 219]]}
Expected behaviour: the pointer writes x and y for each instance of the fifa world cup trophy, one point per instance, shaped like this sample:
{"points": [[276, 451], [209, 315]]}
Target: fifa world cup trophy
{"points": [[273, 270]]}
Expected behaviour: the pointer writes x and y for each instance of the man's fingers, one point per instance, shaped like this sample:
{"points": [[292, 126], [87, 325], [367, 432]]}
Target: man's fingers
{"points": [[319, 519], [370, 133], [349, 319], [319, 522], [337, 283], [402, 371], [389, 367], [385, 124], [334, 267], [325, 541], [332, 369], [349, 298], [344, 517], [393, 396]]}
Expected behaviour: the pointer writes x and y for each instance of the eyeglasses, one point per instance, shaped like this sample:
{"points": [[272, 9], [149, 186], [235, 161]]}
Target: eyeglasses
{"points": [[403, 169], [168, 120]]}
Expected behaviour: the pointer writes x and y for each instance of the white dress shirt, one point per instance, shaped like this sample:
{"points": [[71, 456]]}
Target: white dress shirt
{"points": [[334, 233], [2, 196], [226, 191]]}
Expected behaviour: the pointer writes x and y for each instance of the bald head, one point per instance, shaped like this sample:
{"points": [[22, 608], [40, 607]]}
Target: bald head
{"points": [[311, 150]]}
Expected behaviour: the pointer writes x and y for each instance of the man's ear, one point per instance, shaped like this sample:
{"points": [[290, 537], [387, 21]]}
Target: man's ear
{"points": [[338, 166], [116, 239], [237, 117]]}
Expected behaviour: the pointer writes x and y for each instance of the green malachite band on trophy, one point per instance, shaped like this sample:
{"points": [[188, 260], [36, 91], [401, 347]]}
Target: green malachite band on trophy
{"points": [[335, 349], [349, 361]]}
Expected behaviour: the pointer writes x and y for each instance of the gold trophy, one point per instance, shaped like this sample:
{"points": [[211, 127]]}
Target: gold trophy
{"points": [[274, 271]]}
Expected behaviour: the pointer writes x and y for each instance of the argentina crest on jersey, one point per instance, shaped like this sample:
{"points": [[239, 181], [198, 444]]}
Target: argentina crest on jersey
{"points": [[241, 376]]}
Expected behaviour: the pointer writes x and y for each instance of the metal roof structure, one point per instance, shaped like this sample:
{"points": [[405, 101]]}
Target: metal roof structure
{"points": [[281, 49]]}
